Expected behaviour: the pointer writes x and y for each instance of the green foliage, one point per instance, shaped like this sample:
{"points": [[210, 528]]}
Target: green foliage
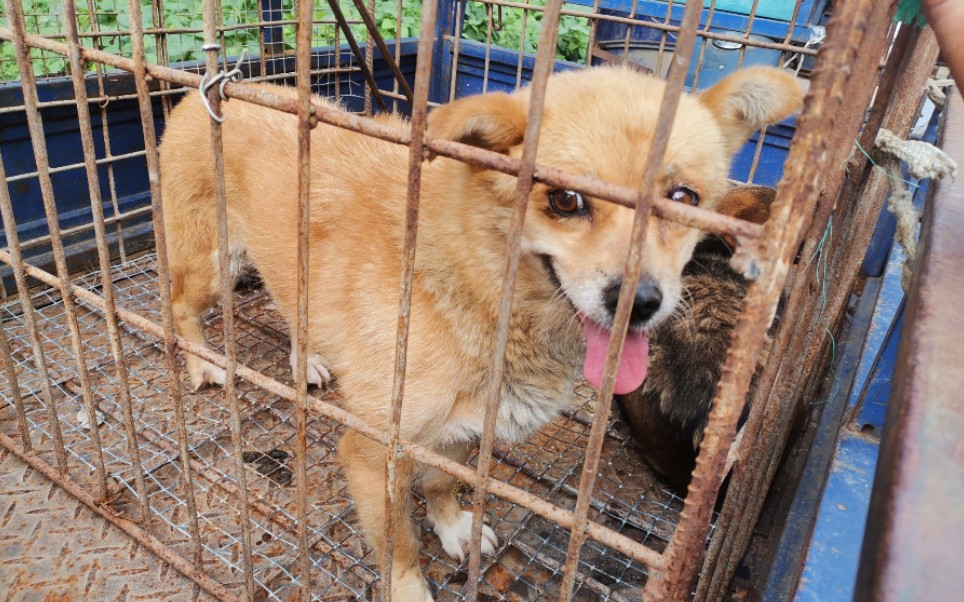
{"points": [[45, 17], [507, 31]]}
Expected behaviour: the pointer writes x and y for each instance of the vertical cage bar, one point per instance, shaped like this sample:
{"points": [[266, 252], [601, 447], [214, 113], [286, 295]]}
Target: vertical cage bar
{"points": [[212, 48], [369, 54], [858, 203], [758, 152], [101, 91], [545, 57], [300, 344], [746, 33], [416, 156], [272, 36], [5, 354], [397, 50], [488, 47], [629, 33], [806, 166], [765, 430], [672, 93], [163, 271], [457, 47], [26, 306], [375, 38], [35, 125], [522, 47], [710, 11], [160, 41], [103, 256], [593, 24], [14, 383], [359, 56]]}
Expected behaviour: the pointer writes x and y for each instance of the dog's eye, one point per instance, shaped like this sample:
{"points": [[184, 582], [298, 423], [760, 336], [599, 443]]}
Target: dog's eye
{"points": [[683, 194], [567, 203]]}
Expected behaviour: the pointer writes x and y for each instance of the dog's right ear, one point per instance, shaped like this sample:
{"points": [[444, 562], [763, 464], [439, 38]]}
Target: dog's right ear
{"points": [[494, 121], [751, 98], [748, 202]]}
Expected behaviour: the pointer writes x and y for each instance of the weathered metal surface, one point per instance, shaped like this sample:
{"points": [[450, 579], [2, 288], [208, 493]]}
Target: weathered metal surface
{"points": [[530, 142], [52, 547], [359, 57], [132, 529], [807, 165], [834, 546], [211, 50], [911, 549], [416, 156], [35, 125], [305, 12], [103, 256], [631, 274], [789, 551], [140, 70], [802, 343]]}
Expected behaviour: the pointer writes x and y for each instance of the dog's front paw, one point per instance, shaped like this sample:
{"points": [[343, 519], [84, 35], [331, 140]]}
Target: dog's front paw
{"points": [[456, 536], [202, 372], [315, 369], [410, 585]]}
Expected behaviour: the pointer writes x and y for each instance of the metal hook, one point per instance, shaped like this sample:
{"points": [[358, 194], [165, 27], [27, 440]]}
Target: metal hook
{"points": [[499, 24], [220, 79]]}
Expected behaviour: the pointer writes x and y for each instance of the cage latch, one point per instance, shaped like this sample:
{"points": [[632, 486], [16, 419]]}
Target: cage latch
{"points": [[220, 79]]}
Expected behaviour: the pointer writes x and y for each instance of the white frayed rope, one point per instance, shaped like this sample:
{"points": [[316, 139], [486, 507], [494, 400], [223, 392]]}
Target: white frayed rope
{"points": [[923, 160]]}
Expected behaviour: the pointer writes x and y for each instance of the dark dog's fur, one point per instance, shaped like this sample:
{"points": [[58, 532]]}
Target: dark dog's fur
{"points": [[669, 412]]}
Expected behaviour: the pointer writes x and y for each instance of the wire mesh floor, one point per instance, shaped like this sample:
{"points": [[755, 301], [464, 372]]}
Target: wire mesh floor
{"points": [[527, 566]]}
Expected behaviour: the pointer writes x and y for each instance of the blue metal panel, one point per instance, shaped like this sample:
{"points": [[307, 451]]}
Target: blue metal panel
{"points": [[831, 569], [873, 401], [64, 148], [789, 553], [803, 31], [442, 56], [503, 67], [62, 137]]}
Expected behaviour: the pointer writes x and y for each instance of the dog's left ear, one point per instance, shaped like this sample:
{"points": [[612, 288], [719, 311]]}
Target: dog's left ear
{"points": [[750, 99], [494, 121]]}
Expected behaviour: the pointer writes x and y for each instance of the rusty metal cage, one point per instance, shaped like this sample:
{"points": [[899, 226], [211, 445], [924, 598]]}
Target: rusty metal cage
{"points": [[93, 395]]}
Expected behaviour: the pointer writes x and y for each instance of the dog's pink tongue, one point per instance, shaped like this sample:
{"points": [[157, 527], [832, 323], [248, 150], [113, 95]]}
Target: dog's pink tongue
{"points": [[632, 363]]}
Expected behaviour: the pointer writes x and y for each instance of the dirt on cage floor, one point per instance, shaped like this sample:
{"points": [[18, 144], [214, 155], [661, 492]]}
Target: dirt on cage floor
{"points": [[527, 566]]}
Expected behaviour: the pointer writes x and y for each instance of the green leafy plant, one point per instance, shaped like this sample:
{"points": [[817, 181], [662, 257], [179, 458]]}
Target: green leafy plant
{"points": [[45, 17], [509, 25]]}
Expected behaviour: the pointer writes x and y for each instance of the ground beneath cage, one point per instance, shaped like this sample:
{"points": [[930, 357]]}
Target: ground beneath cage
{"points": [[527, 566], [53, 547]]}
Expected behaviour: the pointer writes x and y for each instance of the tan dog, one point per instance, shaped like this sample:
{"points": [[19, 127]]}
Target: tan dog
{"points": [[597, 122]]}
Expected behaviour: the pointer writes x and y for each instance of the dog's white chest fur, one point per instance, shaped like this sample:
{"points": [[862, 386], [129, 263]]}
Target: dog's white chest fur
{"points": [[523, 409]]}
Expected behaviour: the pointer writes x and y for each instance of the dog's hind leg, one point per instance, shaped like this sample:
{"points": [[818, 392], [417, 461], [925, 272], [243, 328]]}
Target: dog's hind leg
{"points": [[364, 465], [192, 293], [445, 515]]}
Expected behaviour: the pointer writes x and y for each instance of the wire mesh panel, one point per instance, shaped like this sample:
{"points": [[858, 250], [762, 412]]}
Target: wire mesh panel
{"points": [[240, 488], [629, 498]]}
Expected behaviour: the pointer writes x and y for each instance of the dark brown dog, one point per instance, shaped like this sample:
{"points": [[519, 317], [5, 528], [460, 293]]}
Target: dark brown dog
{"points": [[669, 412]]}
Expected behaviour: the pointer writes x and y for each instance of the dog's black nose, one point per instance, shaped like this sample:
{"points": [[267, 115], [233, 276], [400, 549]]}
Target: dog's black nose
{"points": [[647, 301]]}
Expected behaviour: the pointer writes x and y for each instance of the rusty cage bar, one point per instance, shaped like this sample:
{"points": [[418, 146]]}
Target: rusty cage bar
{"points": [[862, 56]]}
